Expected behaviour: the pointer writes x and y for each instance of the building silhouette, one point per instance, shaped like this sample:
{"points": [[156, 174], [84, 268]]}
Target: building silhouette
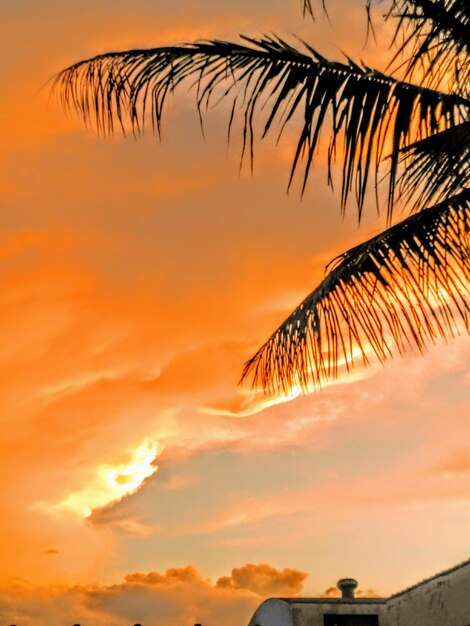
{"points": [[442, 600]]}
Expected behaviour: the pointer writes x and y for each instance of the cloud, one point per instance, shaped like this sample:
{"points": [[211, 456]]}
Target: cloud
{"points": [[136, 280], [331, 592], [175, 483], [132, 526], [112, 482], [264, 579], [177, 597], [456, 463], [172, 576]]}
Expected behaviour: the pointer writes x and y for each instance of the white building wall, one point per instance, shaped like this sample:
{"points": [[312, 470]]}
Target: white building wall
{"points": [[312, 614], [273, 612], [277, 612], [442, 601]]}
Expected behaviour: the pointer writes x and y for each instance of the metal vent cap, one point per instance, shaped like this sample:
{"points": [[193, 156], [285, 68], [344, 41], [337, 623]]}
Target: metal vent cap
{"points": [[347, 586]]}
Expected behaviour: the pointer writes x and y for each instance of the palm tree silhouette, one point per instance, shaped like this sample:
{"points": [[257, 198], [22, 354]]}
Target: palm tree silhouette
{"points": [[411, 126]]}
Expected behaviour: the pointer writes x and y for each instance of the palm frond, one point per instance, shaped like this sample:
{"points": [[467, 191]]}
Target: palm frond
{"points": [[307, 7], [403, 288], [437, 34], [362, 108], [435, 168]]}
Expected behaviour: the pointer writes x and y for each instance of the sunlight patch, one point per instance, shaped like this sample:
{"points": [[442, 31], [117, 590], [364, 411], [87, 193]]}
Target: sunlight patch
{"points": [[251, 402], [113, 482]]}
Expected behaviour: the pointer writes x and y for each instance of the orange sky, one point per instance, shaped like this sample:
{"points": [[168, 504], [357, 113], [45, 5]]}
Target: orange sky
{"points": [[137, 279]]}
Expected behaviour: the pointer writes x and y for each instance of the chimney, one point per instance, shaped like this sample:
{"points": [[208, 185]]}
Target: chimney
{"points": [[347, 587]]}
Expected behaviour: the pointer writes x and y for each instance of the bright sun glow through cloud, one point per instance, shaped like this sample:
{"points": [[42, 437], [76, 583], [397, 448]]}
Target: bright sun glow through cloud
{"points": [[113, 482]]}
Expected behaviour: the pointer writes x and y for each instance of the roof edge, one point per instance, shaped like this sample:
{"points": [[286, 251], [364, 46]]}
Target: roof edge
{"points": [[358, 601], [354, 601], [431, 578]]}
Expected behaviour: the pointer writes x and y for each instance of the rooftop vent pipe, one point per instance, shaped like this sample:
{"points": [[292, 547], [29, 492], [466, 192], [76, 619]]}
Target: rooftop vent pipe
{"points": [[347, 587]]}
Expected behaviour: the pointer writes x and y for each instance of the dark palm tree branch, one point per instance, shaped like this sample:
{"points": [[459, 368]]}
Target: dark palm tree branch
{"points": [[362, 108], [436, 167], [403, 288], [437, 34], [307, 7], [447, 17]]}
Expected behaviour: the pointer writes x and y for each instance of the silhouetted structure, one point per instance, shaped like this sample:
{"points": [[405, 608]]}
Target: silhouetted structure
{"points": [[442, 600]]}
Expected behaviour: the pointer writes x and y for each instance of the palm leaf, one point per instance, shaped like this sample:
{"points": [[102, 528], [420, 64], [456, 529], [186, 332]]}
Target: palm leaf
{"points": [[307, 7], [435, 168], [361, 108], [437, 33], [403, 288]]}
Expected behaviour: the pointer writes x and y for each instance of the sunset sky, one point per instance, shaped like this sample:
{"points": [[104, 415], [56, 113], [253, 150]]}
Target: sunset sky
{"points": [[141, 483]]}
